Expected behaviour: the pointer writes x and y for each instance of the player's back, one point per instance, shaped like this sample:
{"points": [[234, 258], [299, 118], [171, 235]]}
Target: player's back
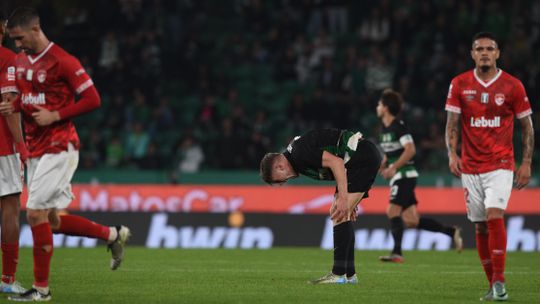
{"points": [[7, 72]]}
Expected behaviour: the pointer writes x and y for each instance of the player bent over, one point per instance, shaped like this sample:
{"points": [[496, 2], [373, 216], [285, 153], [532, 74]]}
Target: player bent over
{"points": [[398, 146], [330, 154]]}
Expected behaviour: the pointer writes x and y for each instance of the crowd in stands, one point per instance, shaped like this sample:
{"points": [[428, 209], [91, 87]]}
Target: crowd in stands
{"points": [[189, 84]]}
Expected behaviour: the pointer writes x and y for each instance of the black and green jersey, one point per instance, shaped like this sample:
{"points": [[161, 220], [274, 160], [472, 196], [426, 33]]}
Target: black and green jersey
{"points": [[305, 151], [392, 140]]}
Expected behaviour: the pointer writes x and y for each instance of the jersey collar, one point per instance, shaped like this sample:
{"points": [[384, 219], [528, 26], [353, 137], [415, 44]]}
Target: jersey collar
{"points": [[34, 60], [487, 84]]}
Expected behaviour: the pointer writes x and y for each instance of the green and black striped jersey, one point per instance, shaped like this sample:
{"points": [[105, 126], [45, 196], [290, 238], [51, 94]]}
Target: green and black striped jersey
{"points": [[305, 151], [392, 140]]}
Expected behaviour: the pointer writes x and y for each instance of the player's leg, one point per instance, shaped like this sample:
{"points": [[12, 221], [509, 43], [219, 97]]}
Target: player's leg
{"points": [[482, 246], [43, 250], [498, 186], [413, 220], [401, 198], [10, 243], [396, 228], [476, 213], [40, 189], [10, 189], [350, 269], [343, 232], [115, 236]]}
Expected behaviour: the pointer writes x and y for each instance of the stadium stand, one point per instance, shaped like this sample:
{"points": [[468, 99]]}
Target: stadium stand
{"points": [[232, 79]]}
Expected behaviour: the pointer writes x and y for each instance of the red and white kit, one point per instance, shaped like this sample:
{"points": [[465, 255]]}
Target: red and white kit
{"points": [[51, 79], [487, 113], [10, 165]]}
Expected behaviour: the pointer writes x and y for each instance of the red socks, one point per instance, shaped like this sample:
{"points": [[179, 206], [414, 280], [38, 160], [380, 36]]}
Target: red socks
{"points": [[80, 226], [497, 246], [482, 245], [43, 250], [10, 257]]}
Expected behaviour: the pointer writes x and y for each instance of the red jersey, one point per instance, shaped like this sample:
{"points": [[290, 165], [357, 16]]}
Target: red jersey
{"points": [[7, 75], [487, 119], [49, 79]]}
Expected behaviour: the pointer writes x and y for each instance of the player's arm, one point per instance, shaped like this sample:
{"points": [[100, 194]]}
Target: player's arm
{"points": [[452, 140], [13, 121], [337, 166], [89, 100], [409, 150], [81, 83], [523, 174]]}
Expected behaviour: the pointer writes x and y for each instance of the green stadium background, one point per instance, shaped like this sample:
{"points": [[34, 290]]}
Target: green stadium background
{"points": [[195, 92]]}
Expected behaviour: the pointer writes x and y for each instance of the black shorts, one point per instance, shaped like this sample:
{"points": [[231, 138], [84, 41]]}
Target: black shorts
{"points": [[363, 167], [402, 192]]}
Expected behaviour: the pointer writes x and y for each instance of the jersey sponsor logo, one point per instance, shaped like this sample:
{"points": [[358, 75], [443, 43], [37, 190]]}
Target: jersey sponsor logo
{"points": [[499, 99], [483, 122], [41, 76], [484, 98], [10, 73], [469, 92], [32, 99]]}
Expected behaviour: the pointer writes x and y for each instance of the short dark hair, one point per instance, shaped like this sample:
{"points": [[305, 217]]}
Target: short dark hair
{"points": [[267, 163], [392, 100], [488, 35], [22, 16]]}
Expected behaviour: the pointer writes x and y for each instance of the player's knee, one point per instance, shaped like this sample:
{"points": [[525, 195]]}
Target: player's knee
{"points": [[494, 213], [481, 228], [410, 223], [36, 217]]}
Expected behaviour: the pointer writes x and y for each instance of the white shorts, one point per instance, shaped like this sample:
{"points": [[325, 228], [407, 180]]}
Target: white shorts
{"points": [[11, 175], [49, 179], [486, 190]]}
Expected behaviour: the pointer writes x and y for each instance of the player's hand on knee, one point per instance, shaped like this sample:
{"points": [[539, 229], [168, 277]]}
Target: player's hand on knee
{"points": [[341, 209], [354, 214]]}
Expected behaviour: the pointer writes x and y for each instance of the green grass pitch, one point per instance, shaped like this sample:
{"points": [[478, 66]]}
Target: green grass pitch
{"points": [[274, 276]]}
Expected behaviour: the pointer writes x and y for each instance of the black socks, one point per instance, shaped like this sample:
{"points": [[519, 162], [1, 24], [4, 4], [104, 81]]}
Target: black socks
{"points": [[433, 225], [396, 227], [344, 249]]}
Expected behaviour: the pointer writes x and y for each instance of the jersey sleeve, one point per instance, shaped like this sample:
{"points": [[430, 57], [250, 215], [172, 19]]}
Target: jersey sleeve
{"points": [[403, 134], [75, 75], [521, 105], [7, 78], [453, 103]]}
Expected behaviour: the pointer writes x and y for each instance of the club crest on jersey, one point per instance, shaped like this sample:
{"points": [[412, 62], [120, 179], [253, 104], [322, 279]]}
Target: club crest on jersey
{"points": [[41, 76], [499, 99], [484, 98]]}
